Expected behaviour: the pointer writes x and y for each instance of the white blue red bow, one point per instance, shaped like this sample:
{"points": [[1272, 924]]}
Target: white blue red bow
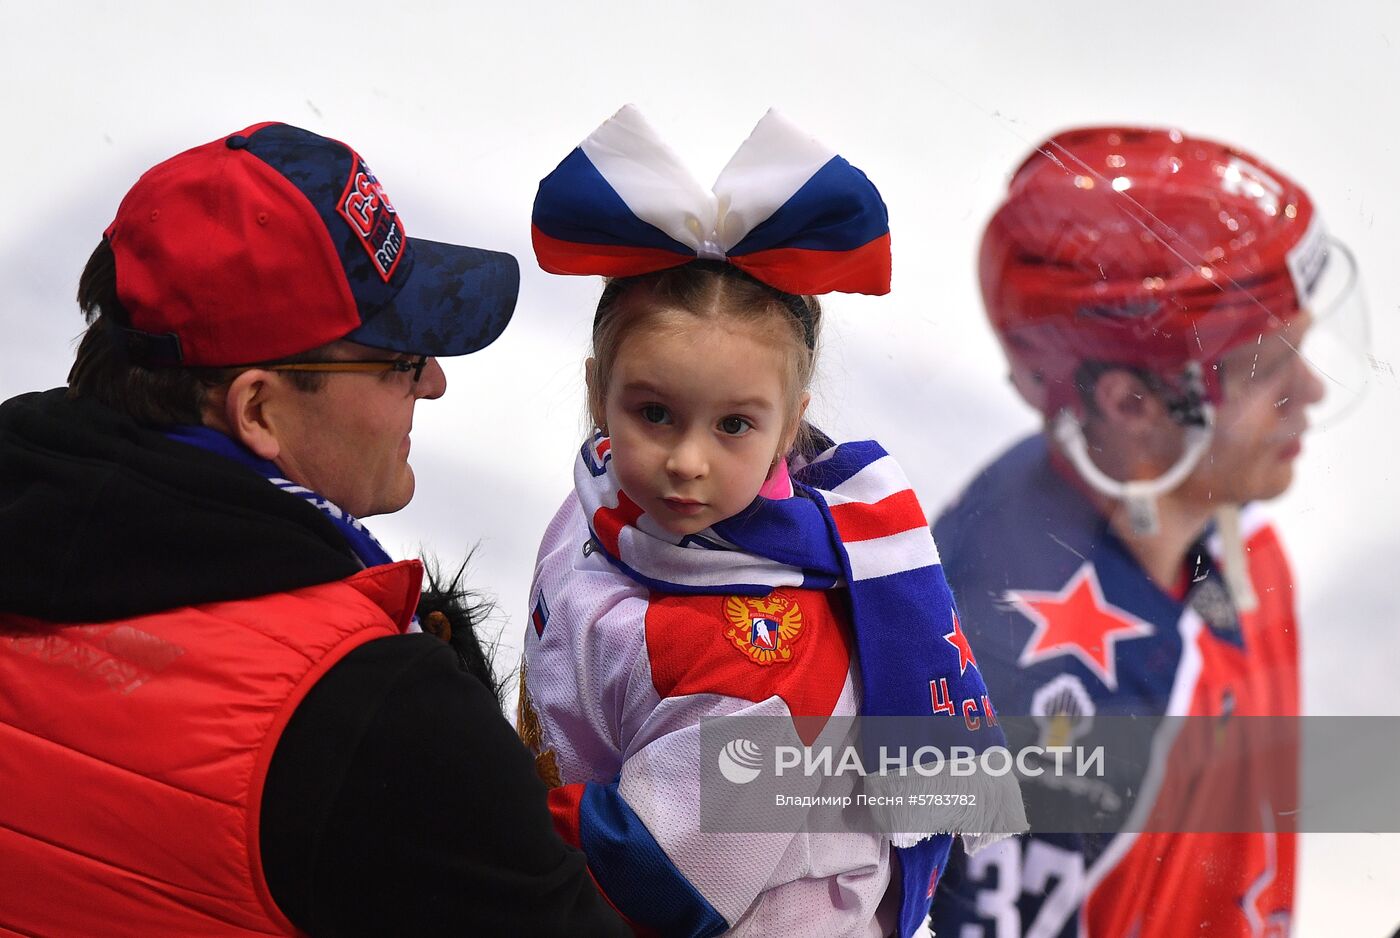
{"points": [[786, 210]]}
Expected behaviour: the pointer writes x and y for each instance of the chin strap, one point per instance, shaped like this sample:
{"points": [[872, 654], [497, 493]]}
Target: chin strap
{"points": [[1140, 495], [1236, 572]]}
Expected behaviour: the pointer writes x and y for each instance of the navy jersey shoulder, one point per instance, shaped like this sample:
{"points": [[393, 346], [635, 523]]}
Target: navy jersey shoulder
{"points": [[1020, 497], [1045, 588]]}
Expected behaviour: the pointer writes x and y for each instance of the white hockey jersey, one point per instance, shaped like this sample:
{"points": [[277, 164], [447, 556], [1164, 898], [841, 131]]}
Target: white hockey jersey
{"points": [[615, 685]]}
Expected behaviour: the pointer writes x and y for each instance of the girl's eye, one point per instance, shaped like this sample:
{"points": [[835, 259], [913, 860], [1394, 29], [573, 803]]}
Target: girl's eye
{"points": [[655, 413], [734, 426]]}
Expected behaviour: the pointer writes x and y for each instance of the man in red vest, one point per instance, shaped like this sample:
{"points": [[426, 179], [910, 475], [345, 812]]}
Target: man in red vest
{"points": [[218, 711]]}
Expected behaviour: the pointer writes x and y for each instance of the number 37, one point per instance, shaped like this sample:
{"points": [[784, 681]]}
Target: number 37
{"points": [[1042, 863]]}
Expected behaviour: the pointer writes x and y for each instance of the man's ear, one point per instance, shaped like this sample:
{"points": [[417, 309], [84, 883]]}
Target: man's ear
{"points": [[243, 413], [1130, 429], [1127, 405], [596, 411]]}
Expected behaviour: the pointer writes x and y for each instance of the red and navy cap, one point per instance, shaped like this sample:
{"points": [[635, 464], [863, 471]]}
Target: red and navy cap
{"points": [[274, 241]]}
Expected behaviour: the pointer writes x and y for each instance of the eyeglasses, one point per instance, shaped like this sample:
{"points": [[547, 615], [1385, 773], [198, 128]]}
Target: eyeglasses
{"points": [[359, 366]]}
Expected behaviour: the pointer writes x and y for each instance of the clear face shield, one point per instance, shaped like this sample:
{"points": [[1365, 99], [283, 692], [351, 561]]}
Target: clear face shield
{"points": [[1337, 347], [1317, 362]]}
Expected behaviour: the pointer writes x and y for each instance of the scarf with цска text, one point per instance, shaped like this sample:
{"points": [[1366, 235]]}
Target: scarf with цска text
{"points": [[852, 521], [361, 542]]}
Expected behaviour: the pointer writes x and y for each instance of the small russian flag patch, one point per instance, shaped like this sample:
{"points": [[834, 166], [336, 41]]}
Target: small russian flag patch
{"points": [[540, 615]]}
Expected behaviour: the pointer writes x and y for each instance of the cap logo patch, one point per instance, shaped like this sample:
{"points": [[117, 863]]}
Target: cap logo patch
{"points": [[372, 217]]}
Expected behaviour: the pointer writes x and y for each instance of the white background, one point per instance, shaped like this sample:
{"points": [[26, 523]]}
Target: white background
{"points": [[461, 108]]}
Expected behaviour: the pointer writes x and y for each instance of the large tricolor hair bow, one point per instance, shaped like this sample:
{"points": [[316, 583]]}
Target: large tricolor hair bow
{"points": [[786, 210]]}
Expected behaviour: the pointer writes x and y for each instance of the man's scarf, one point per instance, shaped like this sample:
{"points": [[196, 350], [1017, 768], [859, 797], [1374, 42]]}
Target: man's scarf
{"points": [[357, 537], [853, 520]]}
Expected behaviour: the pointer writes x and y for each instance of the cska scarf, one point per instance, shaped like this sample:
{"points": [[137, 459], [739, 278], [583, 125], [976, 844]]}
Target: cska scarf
{"points": [[361, 542], [852, 521]]}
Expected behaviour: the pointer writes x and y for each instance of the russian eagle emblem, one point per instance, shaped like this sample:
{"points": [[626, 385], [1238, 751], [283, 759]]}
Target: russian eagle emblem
{"points": [[763, 629]]}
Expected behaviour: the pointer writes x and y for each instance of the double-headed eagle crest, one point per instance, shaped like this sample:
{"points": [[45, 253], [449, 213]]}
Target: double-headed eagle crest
{"points": [[765, 629]]}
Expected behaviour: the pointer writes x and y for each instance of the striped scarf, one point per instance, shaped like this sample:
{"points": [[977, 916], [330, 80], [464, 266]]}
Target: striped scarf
{"points": [[358, 538], [853, 521]]}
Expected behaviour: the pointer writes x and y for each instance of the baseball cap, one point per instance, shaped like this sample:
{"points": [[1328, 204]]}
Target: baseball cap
{"points": [[273, 241]]}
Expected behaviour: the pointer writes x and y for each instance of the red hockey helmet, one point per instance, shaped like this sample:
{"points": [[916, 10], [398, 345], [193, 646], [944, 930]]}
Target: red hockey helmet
{"points": [[1142, 248]]}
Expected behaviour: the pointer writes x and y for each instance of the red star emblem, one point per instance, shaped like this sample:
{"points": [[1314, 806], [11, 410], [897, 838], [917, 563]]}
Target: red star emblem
{"points": [[958, 640], [1077, 621]]}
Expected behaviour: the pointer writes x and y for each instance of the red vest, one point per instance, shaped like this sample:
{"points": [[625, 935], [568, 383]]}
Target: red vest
{"points": [[133, 755]]}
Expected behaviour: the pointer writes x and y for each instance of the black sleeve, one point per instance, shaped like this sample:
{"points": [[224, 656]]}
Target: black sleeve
{"points": [[400, 802]]}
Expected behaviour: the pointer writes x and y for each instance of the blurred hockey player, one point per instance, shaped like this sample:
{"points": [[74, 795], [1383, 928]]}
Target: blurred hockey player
{"points": [[1151, 292]]}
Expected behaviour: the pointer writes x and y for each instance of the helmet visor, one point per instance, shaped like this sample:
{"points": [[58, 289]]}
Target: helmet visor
{"points": [[1337, 346]]}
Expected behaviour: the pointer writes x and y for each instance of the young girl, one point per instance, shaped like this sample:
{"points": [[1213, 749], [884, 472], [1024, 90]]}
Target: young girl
{"points": [[690, 575]]}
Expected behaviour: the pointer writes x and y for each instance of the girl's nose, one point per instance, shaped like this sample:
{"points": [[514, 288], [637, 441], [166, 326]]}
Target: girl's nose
{"points": [[687, 460]]}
